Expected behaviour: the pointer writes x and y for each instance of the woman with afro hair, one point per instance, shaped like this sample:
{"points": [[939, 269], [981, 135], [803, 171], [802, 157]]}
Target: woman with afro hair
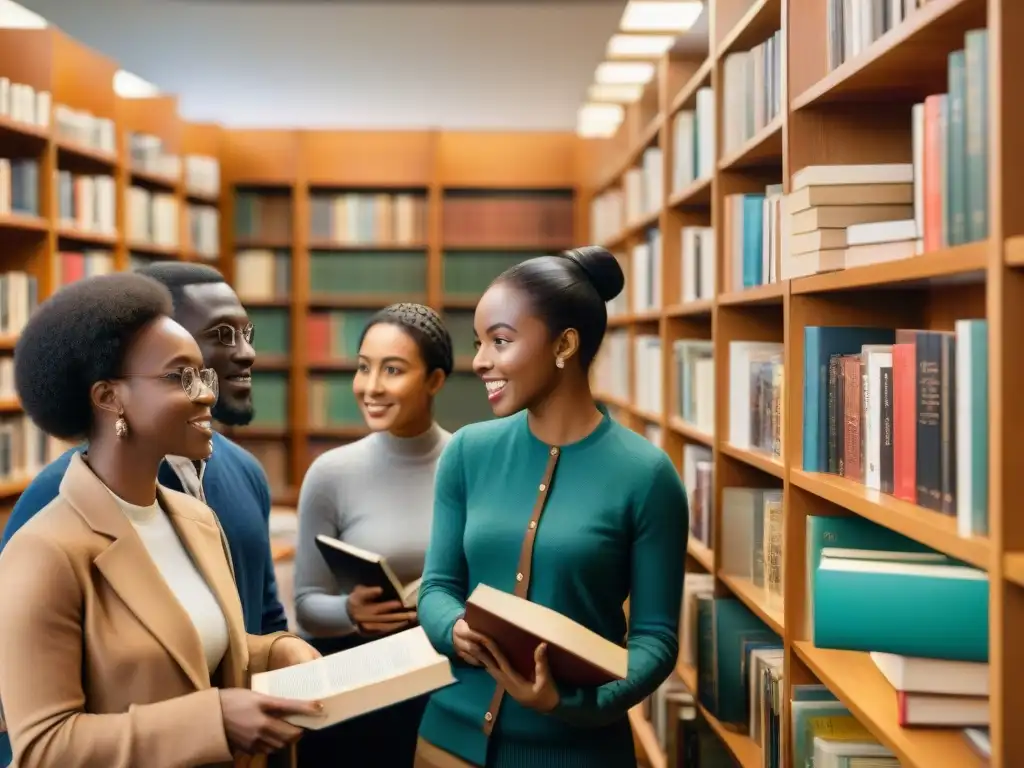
{"points": [[122, 641]]}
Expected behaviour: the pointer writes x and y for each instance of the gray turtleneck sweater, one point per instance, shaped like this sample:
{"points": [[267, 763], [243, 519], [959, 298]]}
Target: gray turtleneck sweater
{"points": [[376, 493]]}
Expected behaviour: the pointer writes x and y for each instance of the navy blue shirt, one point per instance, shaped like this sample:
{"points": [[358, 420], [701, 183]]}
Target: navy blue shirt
{"points": [[236, 489]]}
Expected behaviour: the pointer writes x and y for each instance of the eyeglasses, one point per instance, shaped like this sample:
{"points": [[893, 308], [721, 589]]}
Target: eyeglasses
{"points": [[228, 334], [192, 380]]}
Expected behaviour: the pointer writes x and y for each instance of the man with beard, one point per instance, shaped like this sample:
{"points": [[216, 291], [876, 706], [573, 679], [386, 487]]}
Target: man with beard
{"points": [[231, 481]]}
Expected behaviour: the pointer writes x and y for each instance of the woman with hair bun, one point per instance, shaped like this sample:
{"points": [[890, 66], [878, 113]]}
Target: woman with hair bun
{"points": [[556, 503], [376, 494]]}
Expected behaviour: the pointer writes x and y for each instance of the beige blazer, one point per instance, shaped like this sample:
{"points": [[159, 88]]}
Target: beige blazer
{"points": [[100, 666]]}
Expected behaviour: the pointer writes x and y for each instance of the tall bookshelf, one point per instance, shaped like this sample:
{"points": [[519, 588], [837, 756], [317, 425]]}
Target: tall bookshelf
{"points": [[356, 220], [855, 112], [67, 185]]}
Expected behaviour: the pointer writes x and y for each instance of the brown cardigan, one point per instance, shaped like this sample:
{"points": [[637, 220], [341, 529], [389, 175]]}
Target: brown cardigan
{"points": [[100, 666]]}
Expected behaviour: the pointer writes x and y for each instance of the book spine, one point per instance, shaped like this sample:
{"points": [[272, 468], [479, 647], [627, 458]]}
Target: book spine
{"points": [[886, 451]]}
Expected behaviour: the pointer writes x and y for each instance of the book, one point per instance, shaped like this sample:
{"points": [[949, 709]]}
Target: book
{"points": [[576, 655], [353, 567], [361, 679]]}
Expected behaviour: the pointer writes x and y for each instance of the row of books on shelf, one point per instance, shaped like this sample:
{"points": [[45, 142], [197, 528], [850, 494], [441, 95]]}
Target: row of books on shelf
{"points": [[904, 412], [19, 295], [21, 103], [19, 186], [543, 221], [645, 272], [756, 395], [86, 202], [202, 231], [698, 479], [361, 218], [853, 25], [152, 218], [693, 138], [752, 93], [146, 153], [643, 186], [681, 730]]}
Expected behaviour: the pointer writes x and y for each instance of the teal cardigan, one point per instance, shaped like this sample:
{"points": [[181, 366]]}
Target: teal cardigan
{"points": [[615, 526]]}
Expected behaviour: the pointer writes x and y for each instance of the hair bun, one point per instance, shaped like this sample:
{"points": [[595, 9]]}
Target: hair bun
{"points": [[601, 268]]}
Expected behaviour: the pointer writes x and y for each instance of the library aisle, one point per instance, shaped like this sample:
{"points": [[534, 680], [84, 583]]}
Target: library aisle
{"points": [[821, 220]]}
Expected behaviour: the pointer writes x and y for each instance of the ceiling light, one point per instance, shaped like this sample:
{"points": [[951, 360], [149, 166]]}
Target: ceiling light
{"points": [[598, 120], [624, 73], [615, 94], [639, 46], [15, 16], [660, 16], [130, 86]]}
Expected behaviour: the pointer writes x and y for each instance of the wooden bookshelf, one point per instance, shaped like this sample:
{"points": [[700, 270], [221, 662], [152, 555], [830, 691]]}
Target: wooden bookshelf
{"points": [[348, 275], [858, 112]]}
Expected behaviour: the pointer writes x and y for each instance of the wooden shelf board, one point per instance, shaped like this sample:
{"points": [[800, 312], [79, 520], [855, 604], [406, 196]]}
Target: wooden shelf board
{"points": [[760, 461], [691, 308], [71, 152], [203, 198], [759, 23], [15, 129], [856, 681], [754, 598], [273, 244], [698, 80], [1013, 568], [13, 487], [912, 54], [327, 245], [961, 263], [932, 529], [703, 554], [272, 363], [10, 405], [257, 432], [152, 249], [23, 222], [8, 342], [690, 432], [695, 194], [1014, 251], [648, 416], [644, 732], [152, 180], [688, 674], [80, 235], [645, 316], [762, 149], [743, 748], [772, 293], [361, 301], [281, 551]]}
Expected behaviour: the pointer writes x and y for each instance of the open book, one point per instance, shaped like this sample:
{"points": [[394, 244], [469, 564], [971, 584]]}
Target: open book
{"points": [[576, 655], [353, 566], [362, 679]]}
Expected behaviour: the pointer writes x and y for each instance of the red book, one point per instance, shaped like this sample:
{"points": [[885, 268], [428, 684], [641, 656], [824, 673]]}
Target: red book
{"points": [[904, 421], [576, 655]]}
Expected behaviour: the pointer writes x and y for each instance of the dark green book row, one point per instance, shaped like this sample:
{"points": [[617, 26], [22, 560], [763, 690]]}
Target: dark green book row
{"points": [[355, 272], [467, 274]]}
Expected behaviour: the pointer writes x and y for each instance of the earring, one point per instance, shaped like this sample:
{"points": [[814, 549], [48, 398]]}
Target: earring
{"points": [[121, 426], [559, 362]]}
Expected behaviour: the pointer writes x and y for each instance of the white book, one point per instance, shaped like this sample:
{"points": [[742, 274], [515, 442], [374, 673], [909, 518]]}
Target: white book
{"points": [[877, 232], [939, 676], [838, 175], [362, 679]]}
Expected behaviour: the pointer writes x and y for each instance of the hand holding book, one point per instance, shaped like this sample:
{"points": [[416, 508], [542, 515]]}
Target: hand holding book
{"points": [[372, 615], [540, 693]]}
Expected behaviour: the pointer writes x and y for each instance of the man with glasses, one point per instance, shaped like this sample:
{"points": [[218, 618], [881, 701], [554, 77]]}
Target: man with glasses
{"points": [[231, 481]]}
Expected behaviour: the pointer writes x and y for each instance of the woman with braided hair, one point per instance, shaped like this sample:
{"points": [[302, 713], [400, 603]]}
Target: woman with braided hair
{"points": [[376, 494]]}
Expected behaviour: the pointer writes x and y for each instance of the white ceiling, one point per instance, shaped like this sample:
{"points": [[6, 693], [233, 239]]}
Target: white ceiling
{"points": [[374, 64]]}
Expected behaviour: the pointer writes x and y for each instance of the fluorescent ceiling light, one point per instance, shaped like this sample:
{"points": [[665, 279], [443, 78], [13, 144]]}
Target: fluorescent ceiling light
{"points": [[624, 73], [639, 46], [660, 15], [131, 86], [616, 94], [598, 120], [14, 16]]}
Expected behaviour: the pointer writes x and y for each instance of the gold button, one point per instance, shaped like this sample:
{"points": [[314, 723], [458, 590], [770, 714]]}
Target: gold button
{"points": [[488, 717], [533, 524], [519, 577], [554, 451], [542, 486]]}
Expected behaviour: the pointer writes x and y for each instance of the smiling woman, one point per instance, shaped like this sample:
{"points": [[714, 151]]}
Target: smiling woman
{"points": [[375, 494], [130, 575]]}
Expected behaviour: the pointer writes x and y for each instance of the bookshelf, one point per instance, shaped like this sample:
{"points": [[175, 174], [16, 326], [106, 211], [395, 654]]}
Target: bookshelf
{"points": [[356, 220], [857, 109]]}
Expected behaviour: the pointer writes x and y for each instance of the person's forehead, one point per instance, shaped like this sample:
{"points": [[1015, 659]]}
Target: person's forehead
{"points": [[211, 301]]}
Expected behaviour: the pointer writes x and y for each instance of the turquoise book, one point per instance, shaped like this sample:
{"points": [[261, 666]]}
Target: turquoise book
{"points": [[726, 627], [932, 610]]}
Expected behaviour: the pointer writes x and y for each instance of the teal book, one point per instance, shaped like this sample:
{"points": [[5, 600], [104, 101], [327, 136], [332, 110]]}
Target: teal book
{"points": [[976, 105], [972, 427], [725, 628], [848, 533], [935, 611], [956, 150]]}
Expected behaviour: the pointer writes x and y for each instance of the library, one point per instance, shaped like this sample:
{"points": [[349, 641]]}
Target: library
{"points": [[812, 202]]}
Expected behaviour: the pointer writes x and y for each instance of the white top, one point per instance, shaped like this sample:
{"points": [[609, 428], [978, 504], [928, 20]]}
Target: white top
{"points": [[186, 582]]}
